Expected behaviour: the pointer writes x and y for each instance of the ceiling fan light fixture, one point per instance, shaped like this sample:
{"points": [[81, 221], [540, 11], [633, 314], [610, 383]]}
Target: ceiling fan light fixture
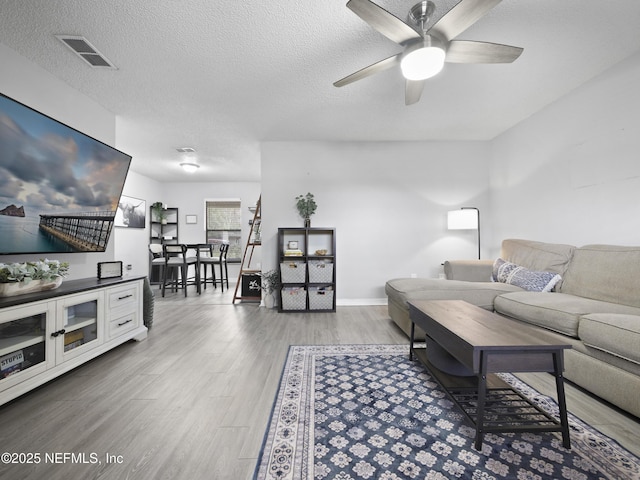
{"points": [[189, 167], [422, 60]]}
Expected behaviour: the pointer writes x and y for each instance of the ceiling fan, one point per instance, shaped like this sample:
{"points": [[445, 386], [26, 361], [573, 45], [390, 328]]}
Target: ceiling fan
{"points": [[425, 51]]}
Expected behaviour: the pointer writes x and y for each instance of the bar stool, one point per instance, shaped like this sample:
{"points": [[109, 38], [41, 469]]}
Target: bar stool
{"points": [[156, 264], [177, 262], [222, 261], [206, 259]]}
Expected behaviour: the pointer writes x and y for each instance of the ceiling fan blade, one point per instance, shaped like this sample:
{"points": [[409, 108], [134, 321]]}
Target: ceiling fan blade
{"points": [[384, 22], [461, 17], [413, 91], [377, 67], [467, 51]]}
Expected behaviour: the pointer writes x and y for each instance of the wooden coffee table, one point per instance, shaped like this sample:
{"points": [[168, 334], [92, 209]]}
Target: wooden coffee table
{"points": [[486, 343]]}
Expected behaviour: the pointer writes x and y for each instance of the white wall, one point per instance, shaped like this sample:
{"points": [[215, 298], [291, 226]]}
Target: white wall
{"points": [[35, 87], [387, 201], [131, 245], [571, 173], [190, 199]]}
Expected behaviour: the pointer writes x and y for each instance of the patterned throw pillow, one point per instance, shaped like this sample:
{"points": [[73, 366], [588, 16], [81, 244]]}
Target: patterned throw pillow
{"points": [[507, 272]]}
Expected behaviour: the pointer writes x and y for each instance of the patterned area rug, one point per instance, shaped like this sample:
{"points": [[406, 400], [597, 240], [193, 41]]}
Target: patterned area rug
{"points": [[367, 412]]}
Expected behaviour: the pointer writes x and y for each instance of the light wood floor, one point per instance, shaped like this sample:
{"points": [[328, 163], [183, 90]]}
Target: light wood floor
{"points": [[193, 400]]}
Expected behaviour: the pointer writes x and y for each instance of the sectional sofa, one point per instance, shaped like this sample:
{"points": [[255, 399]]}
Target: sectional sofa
{"points": [[589, 296]]}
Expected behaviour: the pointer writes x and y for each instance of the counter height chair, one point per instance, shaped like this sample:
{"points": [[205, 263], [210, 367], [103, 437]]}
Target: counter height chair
{"points": [[176, 268], [222, 261], [207, 260], [209, 256], [156, 264]]}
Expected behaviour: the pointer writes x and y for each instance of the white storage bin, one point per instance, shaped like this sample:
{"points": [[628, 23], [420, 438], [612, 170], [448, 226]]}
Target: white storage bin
{"points": [[320, 272], [294, 299], [320, 299], [293, 272]]}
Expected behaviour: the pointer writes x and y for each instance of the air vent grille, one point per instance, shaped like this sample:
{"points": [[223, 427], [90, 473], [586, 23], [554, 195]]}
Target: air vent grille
{"points": [[87, 52], [186, 150]]}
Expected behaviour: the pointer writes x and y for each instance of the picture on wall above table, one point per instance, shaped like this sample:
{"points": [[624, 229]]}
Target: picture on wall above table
{"points": [[131, 212]]}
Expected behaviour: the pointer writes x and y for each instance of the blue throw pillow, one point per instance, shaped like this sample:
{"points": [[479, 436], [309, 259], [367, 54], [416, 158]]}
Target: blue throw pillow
{"points": [[532, 281]]}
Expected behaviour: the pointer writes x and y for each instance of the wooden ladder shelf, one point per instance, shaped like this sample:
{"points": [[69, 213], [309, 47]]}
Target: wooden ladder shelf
{"points": [[253, 242]]}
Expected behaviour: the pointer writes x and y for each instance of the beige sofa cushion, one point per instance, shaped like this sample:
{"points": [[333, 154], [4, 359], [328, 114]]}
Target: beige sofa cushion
{"points": [[556, 311], [469, 270], [616, 334], [605, 272], [477, 293], [539, 256]]}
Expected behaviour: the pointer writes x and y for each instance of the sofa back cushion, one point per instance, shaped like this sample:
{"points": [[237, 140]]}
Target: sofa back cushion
{"points": [[539, 256], [605, 272]]}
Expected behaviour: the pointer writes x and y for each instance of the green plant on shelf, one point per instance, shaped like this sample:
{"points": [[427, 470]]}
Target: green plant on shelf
{"points": [[306, 206], [159, 212]]}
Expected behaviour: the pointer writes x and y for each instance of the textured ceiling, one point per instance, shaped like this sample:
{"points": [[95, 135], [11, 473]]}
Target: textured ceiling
{"points": [[222, 76]]}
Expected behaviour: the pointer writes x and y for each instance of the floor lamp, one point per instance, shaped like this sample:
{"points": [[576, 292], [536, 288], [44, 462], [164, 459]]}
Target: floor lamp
{"points": [[466, 218]]}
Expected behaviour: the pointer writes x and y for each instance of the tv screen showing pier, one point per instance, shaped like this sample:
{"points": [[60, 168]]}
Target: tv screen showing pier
{"points": [[59, 188]]}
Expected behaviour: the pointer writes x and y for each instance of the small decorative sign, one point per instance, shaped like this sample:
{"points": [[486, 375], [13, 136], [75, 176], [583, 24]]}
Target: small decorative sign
{"points": [[109, 270]]}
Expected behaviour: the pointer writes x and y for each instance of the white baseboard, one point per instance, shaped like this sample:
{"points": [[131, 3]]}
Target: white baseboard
{"points": [[356, 302]]}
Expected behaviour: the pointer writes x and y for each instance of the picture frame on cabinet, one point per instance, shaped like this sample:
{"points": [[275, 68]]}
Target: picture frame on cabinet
{"points": [[131, 213], [109, 270]]}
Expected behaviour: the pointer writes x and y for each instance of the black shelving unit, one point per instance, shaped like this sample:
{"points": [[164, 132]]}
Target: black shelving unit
{"points": [[307, 266], [164, 232]]}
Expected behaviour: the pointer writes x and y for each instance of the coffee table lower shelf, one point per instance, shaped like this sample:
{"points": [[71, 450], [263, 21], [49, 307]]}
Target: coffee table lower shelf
{"points": [[505, 408]]}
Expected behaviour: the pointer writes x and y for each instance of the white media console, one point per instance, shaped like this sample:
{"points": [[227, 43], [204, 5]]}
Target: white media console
{"points": [[45, 334]]}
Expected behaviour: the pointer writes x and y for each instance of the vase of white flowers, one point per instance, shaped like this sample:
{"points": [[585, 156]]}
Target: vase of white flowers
{"points": [[29, 277]]}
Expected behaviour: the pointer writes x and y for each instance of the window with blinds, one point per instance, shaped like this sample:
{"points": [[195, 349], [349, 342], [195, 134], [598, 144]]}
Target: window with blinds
{"points": [[224, 224]]}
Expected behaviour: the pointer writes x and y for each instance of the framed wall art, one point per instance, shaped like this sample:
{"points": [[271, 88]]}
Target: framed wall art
{"points": [[131, 212]]}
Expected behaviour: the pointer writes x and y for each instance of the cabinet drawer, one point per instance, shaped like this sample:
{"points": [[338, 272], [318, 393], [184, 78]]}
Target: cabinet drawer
{"points": [[122, 324], [123, 296]]}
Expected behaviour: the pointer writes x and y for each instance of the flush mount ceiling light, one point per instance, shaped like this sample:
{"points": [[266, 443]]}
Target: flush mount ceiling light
{"points": [[189, 167]]}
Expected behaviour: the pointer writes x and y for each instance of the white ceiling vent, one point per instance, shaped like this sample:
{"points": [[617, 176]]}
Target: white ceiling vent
{"points": [[81, 47], [186, 149]]}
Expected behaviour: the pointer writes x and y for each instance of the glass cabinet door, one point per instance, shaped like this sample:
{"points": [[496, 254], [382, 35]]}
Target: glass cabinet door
{"points": [[24, 349], [77, 331]]}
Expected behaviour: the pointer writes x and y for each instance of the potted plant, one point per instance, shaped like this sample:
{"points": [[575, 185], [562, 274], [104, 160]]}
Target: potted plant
{"points": [[270, 284], [306, 206], [158, 211], [21, 278]]}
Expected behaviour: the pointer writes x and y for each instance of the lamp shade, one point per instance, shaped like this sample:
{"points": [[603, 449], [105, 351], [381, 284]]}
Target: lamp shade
{"points": [[463, 219]]}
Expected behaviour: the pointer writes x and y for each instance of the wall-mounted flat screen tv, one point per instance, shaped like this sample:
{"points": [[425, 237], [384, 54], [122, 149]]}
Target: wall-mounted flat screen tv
{"points": [[59, 188]]}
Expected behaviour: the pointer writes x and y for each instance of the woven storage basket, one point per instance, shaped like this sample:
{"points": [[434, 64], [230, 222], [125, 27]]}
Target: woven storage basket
{"points": [[293, 272], [320, 272], [320, 299], [294, 299]]}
